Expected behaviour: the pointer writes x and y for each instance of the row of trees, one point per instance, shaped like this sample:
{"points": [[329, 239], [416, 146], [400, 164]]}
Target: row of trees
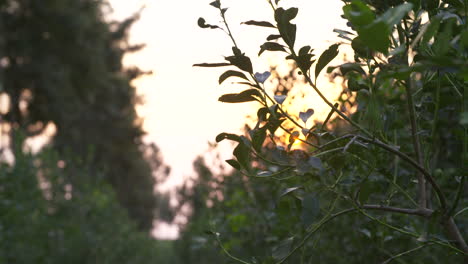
{"points": [[89, 195], [383, 184], [62, 64]]}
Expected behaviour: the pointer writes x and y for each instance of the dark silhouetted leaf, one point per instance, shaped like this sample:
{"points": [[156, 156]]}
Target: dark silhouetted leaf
{"points": [[241, 61], [259, 23], [231, 73], [304, 50], [286, 29], [271, 46], [262, 114], [325, 58], [242, 154], [258, 137], [222, 64], [359, 14], [273, 37], [228, 136], [365, 190], [349, 67], [234, 164], [216, 4], [245, 96], [376, 36], [315, 162]]}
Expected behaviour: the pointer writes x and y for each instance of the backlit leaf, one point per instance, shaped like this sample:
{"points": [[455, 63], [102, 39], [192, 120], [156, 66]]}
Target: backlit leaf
{"points": [[211, 64], [280, 98], [242, 154], [245, 96], [262, 77], [304, 116], [271, 46], [259, 23], [231, 73], [228, 136], [241, 61], [325, 58]]}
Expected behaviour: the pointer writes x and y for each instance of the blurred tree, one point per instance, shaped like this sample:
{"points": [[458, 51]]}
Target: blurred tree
{"points": [[61, 64], [46, 220]]}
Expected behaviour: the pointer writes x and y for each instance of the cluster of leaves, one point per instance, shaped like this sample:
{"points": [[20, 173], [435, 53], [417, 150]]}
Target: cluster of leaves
{"points": [[61, 64], [48, 217], [383, 178]]}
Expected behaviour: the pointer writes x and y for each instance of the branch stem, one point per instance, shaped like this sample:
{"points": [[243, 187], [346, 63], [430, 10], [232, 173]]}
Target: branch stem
{"points": [[416, 145]]}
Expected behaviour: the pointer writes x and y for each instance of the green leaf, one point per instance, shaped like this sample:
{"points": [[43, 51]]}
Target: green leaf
{"points": [[242, 154], [282, 249], [228, 136], [234, 164], [464, 119], [315, 162], [262, 114], [310, 209], [365, 190], [259, 23], [231, 73], [245, 96], [359, 14], [376, 36], [394, 15], [431, 30], [271, 46], [355, 83], [258, 137], [222, 64], [325, 58]]}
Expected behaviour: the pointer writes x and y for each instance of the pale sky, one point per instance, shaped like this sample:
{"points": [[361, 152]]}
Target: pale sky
{"points": [[182, 113]]}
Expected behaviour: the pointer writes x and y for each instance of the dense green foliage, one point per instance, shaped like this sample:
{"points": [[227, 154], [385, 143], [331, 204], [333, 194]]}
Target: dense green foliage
{"points": [[61, 64], [384, 183], [45, 220], [88, 196]]}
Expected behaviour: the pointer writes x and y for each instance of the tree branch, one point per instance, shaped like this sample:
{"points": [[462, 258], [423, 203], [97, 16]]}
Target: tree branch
{"points": [[424, 212]]}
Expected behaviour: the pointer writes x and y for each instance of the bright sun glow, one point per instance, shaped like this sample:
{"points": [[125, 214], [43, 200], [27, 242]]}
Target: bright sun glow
{"points": [[181, 111]]}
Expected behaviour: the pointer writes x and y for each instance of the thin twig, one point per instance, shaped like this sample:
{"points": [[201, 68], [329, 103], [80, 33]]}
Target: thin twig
{"points": [[416, 145], [227, 252], [405, 253]]}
